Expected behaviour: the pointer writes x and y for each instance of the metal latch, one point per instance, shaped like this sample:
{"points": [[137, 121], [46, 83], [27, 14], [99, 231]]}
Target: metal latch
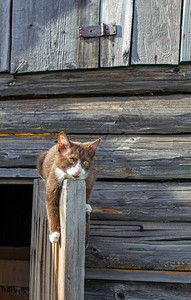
{"points": [[97, 30]]}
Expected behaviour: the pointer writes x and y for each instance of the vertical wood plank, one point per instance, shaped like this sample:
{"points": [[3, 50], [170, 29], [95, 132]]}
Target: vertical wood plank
{"points": [[88, 49], [186, 32], [4, 35], [57, 270], [115, 50], [72, 252], [156, 32], [45, 35]]}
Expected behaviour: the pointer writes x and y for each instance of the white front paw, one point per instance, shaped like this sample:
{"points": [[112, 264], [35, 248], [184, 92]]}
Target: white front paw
{"points": [[54, 237], [88, 208]]}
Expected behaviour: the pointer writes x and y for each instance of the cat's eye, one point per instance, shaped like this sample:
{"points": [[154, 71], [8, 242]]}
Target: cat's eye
{"points": [[71, 161], [85, 163]]}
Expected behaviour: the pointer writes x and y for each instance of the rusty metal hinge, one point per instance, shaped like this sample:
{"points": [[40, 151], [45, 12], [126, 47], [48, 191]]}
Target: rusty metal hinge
{"points": [[97, 30]]}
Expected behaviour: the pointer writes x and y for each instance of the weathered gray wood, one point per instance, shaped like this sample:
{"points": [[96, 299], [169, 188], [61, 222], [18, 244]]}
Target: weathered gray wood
{"points": [[140, 276], [72, 253], [185, 54], [126, 157], [141, 201], [133, 80], [45, 35], [105, 115], [18, 173], [115, 50], [111, 290], [156, 32], [4, 35], [167, 253], [57, 271]]}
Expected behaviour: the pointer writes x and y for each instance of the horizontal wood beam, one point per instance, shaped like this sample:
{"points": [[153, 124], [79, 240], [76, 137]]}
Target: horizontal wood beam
{"points": [[100, 115], [133, 80], [156, 157], [117, 290], [139, 276]]}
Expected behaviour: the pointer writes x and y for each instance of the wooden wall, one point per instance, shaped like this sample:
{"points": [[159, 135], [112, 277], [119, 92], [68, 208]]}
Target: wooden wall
{"points": [[140, 238], [42, 36], [143, 168]]}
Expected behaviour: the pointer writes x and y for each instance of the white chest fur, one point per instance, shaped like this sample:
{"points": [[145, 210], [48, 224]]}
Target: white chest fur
{"points": [[61, 175]]}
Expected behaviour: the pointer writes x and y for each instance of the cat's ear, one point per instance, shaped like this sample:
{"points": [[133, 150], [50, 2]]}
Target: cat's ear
{"points": [[92, 146], [63, 142]]}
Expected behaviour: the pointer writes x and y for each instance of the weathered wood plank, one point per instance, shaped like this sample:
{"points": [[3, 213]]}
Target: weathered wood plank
{"points": [[105, 115], [147, 232], [5, 35], [158, 201], [115, 50], [49, 34], [112, 290], [57, 271], [167, 254], [134, 80], [126, 157], [140, 276], [156, 32], [71, 268], [185, 54]]}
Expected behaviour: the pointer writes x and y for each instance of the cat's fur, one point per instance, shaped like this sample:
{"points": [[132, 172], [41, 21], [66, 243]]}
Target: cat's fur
{"points": [[66, 159]]}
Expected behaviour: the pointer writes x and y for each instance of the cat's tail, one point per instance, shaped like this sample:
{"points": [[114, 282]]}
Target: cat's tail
{"points": [[39, 163]]}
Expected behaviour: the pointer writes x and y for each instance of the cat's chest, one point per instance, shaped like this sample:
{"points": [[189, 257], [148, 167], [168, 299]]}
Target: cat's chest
{"points": [[60, 174]]}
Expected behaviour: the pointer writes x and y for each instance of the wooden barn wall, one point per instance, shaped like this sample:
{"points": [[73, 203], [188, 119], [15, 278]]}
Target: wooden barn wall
{"points": [[140, 237], [140, 225], [44, 39]]}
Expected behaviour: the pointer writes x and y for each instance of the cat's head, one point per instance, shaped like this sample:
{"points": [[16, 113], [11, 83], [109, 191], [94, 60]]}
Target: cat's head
{"points": [[75, 159]]}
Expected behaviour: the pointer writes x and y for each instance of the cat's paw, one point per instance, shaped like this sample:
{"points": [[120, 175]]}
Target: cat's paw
{"points": [[54, 237], [88, 208]]}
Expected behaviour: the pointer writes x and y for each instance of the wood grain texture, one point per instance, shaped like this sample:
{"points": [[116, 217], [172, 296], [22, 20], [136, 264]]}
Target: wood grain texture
{"points": [[57, 270], [133, 80], [112, 290], [123, 157], [140, 250], [156, 32], [71, 267], [115, 50], [185, 54], [139, 201], [49, 34], [140, 276], [5, 35], [100, 115]]}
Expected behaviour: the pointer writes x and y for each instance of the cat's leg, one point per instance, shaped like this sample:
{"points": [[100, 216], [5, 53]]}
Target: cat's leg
{"points": [[52, 199]]}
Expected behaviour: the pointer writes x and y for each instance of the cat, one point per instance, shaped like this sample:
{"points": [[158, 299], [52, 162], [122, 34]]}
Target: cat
{"points": [[65, 160]]}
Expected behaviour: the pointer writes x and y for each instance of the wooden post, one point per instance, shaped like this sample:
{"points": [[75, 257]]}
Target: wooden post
{"points": [[72, 252], [57, 270]]}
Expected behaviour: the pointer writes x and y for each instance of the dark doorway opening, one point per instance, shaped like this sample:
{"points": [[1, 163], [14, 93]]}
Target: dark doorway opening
{"points": [[15, 215]]}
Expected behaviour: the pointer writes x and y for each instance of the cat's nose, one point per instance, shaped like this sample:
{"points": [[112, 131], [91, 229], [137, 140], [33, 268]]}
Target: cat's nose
{"points": [[78, 173]]}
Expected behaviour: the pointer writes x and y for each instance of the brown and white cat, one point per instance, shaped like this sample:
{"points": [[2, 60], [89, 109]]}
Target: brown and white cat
{"points": [[66, 159]]}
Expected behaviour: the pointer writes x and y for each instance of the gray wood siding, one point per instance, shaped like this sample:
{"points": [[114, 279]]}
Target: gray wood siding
{"points": [[133, 80], [156, 32], [117, 290], [45, 35], [115, 50], [46, 38], [186, 32], [134, 157], [5, 14], [103, 115]]}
